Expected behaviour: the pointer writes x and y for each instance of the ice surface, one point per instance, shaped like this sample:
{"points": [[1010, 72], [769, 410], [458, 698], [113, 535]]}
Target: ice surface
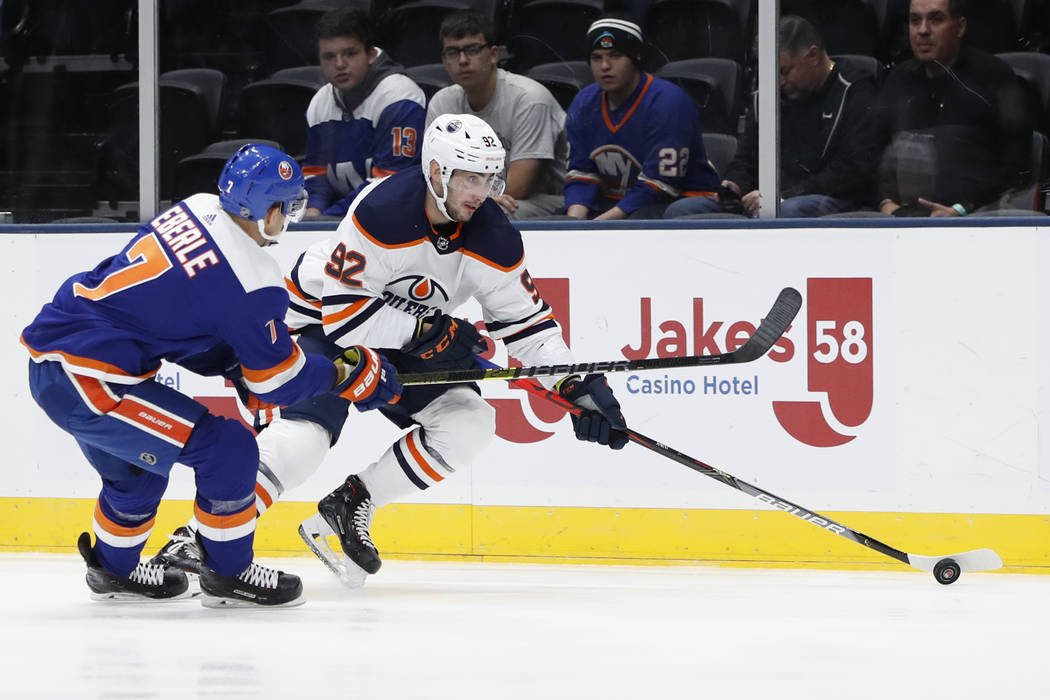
{"points": [[470, 630]]}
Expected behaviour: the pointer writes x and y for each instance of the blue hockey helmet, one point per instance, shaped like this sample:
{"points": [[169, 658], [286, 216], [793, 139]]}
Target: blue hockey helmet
{"points": [[256, 177]]}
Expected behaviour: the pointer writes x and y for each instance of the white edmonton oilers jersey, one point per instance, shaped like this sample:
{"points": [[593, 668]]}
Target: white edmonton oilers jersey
{"points": [[387, 266]]}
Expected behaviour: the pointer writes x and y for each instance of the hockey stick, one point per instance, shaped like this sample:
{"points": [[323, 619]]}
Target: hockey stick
{"points": [[769, 331], [946, 569]]}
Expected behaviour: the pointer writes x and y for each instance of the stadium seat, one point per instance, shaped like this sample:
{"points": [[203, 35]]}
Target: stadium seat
{"points": [[682, 29], [721, 149], [991, 25], [42, 28], [275, 108], [290, 32], [563, 79], [859, 65], [430, 77], [1030, 196], [190, 103], [200, 172], [409, 31], [847, 26], [546, 31], [1034, 71], [714, 85]]}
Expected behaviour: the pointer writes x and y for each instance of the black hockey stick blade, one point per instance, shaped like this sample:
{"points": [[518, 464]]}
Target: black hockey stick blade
{"points": [[774, 325], [768, 332]]}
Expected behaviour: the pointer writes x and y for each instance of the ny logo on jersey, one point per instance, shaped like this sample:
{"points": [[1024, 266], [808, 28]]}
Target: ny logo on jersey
{"points": [[617, 167]]}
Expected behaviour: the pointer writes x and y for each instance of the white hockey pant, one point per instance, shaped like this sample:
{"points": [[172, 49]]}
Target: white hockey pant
{"points": [[453, 431], [290, 451]]}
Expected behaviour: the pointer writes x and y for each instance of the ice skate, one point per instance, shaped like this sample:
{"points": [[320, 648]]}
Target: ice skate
{"points": [[346, 513], [256, 586], [148, 582], [181, 551]]}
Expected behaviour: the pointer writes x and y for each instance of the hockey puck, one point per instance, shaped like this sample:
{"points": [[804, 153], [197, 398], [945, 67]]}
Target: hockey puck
{"points": [[946, 571]]}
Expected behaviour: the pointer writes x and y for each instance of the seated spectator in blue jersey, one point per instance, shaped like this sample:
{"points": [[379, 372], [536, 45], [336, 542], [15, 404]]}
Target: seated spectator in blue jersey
{"points": [[826, 137], [634, 139], [528, 120], [193, 287], [953, 122], [365, 123]]}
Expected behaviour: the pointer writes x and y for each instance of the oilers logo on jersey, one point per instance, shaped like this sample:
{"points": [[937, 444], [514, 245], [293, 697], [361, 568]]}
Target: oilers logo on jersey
{"points": [[422, 288]]}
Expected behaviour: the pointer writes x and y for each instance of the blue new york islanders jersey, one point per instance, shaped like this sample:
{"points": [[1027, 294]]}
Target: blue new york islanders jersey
{"points": [[345, 150], [387, 266], [649, 149], [188, 286]]}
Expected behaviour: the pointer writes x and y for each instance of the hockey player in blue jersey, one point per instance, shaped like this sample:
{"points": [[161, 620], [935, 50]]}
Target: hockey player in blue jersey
{"points": [[634, 140], [365, 123], [193, 287], [410, 251]]}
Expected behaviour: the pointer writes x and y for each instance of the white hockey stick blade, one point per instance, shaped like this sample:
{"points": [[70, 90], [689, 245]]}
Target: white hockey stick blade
{"points": [[974, 560], [315, 533]]}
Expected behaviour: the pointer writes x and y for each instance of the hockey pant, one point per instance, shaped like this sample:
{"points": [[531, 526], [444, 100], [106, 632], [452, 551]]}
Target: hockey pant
{"points": [[451, 428], [132, 435]]}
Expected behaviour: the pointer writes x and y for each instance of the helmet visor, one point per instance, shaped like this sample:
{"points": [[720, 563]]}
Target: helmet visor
{"points": [[484, 184], [295, 208]]}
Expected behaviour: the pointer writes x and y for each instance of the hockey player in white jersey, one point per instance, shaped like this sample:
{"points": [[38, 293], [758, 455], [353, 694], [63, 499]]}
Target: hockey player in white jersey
{"points": [[410, 251]]}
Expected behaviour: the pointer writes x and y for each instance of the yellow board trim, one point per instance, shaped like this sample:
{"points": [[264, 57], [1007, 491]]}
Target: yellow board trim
{"points": [[588, 535]]}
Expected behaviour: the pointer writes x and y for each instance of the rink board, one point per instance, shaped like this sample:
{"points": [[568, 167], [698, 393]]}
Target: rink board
{"points": [[905, 401]]}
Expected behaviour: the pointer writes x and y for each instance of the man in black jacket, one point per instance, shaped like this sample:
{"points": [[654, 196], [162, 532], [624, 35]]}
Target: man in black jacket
{"points": [[953, 121], [826, 136]]}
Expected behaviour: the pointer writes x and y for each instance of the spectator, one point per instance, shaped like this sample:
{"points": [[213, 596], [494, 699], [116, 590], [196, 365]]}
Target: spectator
{"points": [[634, 139], [523, 113], [365, 123], [952, 121], [826, 144]]}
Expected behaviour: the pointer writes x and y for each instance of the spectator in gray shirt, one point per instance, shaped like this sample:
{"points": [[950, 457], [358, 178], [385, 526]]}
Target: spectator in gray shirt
{"points": [[523, 113]]}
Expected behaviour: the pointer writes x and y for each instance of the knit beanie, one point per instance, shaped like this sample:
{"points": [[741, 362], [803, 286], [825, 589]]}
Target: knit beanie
{"points": [[619, 34]]}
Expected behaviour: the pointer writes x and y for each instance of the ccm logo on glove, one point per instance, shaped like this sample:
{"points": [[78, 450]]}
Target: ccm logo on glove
{"points": [[444, 342]]}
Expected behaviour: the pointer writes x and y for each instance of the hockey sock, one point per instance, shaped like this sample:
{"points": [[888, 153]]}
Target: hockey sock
{"points": [[290, 451]]}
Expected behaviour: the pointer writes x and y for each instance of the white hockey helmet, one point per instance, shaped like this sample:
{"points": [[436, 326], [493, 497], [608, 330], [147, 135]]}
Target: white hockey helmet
{"points": [[462, 142]]}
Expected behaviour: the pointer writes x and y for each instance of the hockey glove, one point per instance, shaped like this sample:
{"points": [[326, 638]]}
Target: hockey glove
{"points": [[366, 378], [263, 413], [601, 420], [448, 344]]}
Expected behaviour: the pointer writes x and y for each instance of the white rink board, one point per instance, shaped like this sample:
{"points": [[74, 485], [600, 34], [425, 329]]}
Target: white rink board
{"points": [[957, 372]]}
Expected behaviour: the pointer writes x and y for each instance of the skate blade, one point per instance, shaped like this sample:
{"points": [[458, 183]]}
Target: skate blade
{"points": [[216, 602], [315, 533], [134, 598]]}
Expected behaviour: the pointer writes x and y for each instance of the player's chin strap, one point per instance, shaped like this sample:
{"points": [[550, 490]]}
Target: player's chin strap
{"points": [[292, 210], [440, 201], [261, 223]]}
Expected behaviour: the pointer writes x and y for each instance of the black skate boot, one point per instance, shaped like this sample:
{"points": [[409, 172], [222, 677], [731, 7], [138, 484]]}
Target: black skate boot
{"points": [[147, 582], [181, 552], [348, 511], [256, 586]]}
